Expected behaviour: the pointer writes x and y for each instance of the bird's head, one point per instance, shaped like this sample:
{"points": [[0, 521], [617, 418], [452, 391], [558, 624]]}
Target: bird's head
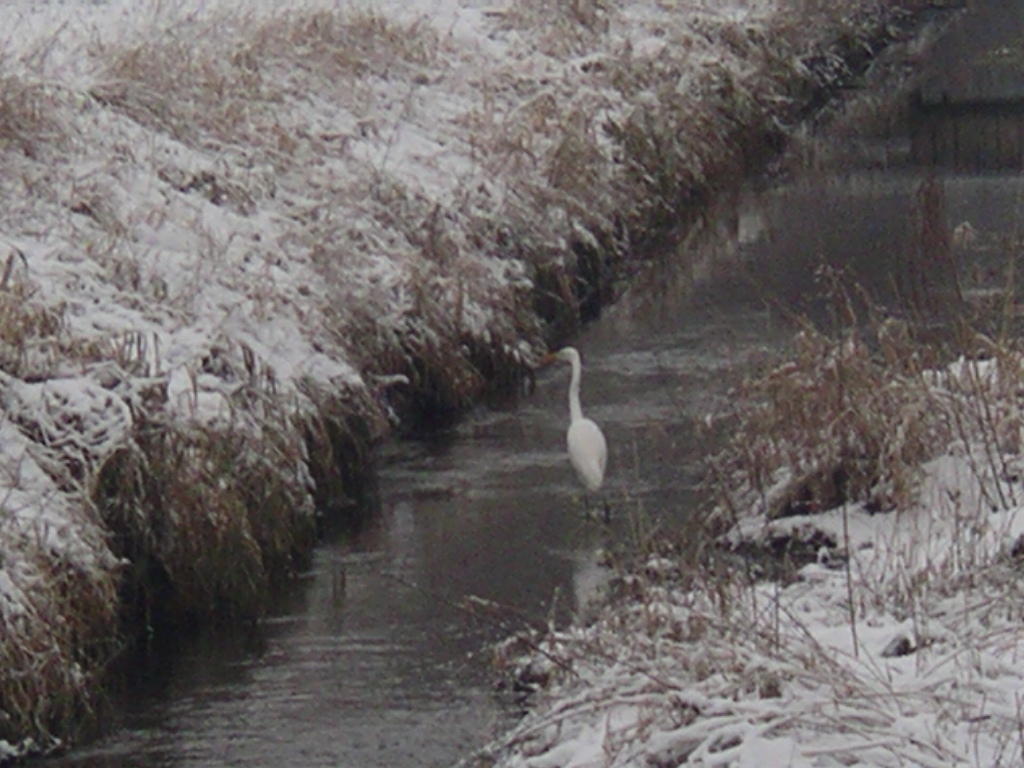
{"points": [[565, 354]]}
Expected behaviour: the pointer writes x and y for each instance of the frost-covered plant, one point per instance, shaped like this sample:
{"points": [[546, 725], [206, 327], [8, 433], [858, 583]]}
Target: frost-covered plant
{"points": [[29, 330], [58, 599], [230, 77], [836, 423], [719, 671], [851, 419], [206, 518], [27, 116]]}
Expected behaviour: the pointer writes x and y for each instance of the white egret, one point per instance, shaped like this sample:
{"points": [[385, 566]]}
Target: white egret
{"points": [[588, 451]]}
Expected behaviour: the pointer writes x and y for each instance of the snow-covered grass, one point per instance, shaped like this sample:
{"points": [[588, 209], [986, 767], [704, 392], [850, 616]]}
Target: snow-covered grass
{"points": [[238, 242], [893, 638]]}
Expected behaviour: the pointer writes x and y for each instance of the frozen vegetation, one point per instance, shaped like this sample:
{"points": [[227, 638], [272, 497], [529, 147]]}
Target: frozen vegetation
{"points": [[239, 243]]}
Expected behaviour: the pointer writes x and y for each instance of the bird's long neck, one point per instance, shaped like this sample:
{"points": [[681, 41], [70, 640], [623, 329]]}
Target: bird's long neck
{"points": [[575, 409]]}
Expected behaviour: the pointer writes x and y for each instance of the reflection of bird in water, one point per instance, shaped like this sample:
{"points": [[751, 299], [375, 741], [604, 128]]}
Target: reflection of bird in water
{"points": [[590, 578], [588, 451]]}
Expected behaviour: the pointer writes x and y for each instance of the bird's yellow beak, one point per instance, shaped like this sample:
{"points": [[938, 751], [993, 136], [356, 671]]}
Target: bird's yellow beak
{"points": [[548, 359]]}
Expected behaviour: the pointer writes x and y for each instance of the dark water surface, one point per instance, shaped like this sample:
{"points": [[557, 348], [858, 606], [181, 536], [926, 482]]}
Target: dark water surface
{"points": [[368, 660]]}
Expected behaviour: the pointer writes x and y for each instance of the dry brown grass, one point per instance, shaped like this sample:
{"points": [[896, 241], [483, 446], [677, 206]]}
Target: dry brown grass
{"points": [[349, 46], [28, 116], [205, 520], [835, 424], [28, 331], [853, 414], [53, 655], [209, 514], [231, 81], [560, 28], [55, 640]]}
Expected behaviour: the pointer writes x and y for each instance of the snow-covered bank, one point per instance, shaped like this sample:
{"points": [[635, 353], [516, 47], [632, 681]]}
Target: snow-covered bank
{"points": [[238, 243], [898, 640]]}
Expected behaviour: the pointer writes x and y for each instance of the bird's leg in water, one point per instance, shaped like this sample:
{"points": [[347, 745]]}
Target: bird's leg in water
{"points": [[590, 510], [582, 500]]}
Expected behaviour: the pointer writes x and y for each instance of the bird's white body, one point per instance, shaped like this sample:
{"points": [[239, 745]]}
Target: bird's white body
{"points": [[588, 451]]}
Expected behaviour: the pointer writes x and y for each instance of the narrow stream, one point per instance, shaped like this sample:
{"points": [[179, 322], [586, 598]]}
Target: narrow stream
{"points": [[385, 669], [370, 660]]}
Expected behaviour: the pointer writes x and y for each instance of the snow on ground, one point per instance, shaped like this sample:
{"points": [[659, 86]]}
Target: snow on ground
{"points": [[899, 644], [221, 218]]}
